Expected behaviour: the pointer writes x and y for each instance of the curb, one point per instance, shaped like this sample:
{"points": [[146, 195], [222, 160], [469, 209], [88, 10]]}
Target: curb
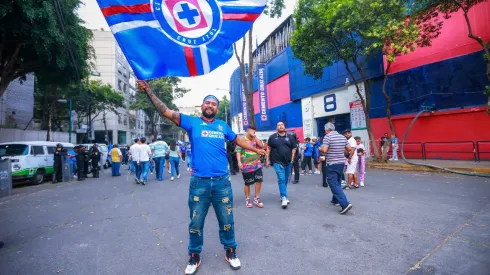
{"points": [[408, 167]]}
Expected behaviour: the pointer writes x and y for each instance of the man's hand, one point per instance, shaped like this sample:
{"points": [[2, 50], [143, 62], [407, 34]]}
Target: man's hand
{"points": [[261, 152], [267, 163], [143, 86]]}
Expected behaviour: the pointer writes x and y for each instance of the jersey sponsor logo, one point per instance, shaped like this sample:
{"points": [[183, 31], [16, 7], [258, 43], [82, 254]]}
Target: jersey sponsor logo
{"points": [[212, 134]]}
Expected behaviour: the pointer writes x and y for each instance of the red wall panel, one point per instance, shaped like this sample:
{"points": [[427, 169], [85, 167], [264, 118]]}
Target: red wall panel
{"points": [[452, 42], [277, 93], [443, 133]]}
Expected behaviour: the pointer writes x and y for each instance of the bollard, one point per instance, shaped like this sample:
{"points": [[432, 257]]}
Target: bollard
{"points": [[5, 178]]}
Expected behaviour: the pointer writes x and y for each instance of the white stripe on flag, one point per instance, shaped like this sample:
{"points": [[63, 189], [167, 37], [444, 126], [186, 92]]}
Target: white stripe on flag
{"points": [[124, 26], [246, 3], [204, 57]]}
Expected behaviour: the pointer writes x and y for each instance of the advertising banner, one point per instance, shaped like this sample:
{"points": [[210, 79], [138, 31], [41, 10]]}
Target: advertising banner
{"points": [[262, 81]]}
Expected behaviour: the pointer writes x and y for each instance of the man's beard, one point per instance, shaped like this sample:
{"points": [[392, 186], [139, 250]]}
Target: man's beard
{"points": [[208, 116]]}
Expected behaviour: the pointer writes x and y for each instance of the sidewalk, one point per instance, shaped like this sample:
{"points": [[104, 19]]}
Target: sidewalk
{"points": [[482, 167]]}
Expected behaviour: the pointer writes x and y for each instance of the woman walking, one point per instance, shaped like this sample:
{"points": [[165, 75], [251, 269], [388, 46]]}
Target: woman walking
{"points": [[175, 158]]}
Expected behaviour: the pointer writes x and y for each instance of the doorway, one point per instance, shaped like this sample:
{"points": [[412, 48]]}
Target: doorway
{"points": [[342, 122]]}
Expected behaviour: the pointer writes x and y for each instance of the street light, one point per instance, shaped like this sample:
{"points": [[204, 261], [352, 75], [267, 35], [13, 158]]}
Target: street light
{"points": [[69, 106]]}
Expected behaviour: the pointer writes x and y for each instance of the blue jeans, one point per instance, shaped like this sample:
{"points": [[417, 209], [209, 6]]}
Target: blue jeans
{"points": [[132, 167], [174, 163], [115, 168], [283, 174], [202, 192], [151, 165], [144, 169], [334, 175], [159, 163], [189, 161], [137, 169], [73, 168]]}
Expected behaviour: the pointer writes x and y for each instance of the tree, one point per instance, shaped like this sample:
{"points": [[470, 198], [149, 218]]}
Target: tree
{"points": [[333, 31], [399, 37], [93, 98], [433, 8], [274, 10], [224, 110], [166, 89], [43, 36]]}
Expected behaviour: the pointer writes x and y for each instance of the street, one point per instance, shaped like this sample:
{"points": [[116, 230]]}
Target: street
{"points": [[401, 223]]}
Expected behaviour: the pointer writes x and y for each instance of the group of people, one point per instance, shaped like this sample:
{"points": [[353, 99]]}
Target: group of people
{"points": [[79, 159], [211, 166]]}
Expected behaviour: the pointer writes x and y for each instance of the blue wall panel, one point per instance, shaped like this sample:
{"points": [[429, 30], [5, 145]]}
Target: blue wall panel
{"points": [[454, 83], [235, 93], [289, 113], [333, 77]]}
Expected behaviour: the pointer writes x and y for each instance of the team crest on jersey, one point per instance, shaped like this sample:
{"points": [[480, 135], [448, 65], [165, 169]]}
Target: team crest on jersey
{"points": [[188, 22], [205, 133], [220, 127]]}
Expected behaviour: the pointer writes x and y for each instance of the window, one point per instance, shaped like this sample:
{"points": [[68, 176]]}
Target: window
{"points": [[119, 119], [119, 52], [119, 84], [125, 88], [125, 72], [119, 67], [51, 150], [37, 150], [13, 150]]}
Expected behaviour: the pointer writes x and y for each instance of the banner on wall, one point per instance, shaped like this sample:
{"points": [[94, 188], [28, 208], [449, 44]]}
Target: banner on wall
{"points": [[262, 81], [244, 110], [357, 116]]}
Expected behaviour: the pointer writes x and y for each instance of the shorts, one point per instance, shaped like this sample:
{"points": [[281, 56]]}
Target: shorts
{"points": [[352, 166], [253, 177]]}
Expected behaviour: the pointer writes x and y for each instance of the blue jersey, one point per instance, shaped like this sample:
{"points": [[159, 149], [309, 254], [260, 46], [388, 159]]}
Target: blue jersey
{"points": [[308, 150], [208, 141]]}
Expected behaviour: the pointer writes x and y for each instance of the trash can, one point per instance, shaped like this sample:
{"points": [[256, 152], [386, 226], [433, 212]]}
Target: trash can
{"points": [[5, 178]]}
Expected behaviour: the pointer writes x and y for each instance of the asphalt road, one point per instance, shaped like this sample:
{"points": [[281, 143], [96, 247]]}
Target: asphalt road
{"points": [[401, 223]]}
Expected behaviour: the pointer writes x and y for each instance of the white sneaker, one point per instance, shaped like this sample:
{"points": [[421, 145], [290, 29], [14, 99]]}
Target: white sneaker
{"points": [[317, 172], [343, 182], [188, 169], [172, 178], [284, 202], [178, 176], [194, 263], [362, 183], [232, 259], [169, 171]]}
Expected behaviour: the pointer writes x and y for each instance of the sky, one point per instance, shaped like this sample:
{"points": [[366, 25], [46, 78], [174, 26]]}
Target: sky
{"points": [[202, 85]]}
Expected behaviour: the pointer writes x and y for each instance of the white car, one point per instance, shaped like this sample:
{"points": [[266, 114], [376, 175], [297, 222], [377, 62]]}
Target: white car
{"points": [[31, 160]]}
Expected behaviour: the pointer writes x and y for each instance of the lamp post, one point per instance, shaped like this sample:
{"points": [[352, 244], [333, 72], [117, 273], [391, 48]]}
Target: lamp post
{"points": [[70, 108]]}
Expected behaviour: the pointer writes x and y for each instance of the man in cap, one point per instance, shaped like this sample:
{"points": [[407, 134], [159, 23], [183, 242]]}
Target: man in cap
{"points": [[210, 180], [333, 148], [159, 149]]}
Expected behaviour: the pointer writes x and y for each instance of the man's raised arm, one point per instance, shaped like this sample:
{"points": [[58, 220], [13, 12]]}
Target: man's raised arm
{"points": [[161, 107]]}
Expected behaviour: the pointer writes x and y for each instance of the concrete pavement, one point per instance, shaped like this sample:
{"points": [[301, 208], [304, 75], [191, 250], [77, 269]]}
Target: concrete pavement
{"points": [[401, 223]]}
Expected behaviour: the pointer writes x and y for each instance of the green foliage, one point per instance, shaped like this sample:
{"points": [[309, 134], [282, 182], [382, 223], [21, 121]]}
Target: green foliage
{"points": [[435, 8], [166, 89], [33, 40], [46, 106], [274, 8], [224, 109], [330, 31]]}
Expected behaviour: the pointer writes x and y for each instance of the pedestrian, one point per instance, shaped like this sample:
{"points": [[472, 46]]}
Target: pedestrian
{"points": [[296, 159], [361, 163], [159, 149], [251, 167], [188, 152], [334, 146], [281, 154], [81, 162], [183, 148], [152, 161], [58, 156], [175, 155], [133, 158], [307, 154], [86, 158], [144, 157], [385, 146], [73, 161], [394, 148], [316, 155], [210, 180], [352, 158], [95, 157], [116, 157]]}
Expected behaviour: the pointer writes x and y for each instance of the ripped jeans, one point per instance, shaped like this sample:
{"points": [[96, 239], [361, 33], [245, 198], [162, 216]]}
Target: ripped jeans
{"points": [[203, 192]]}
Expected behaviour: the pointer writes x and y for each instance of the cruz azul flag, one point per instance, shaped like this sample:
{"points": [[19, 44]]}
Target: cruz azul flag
{"points": [[178, 37]]}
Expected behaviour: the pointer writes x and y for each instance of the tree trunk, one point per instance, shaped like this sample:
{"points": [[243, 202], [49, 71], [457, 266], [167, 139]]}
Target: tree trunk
{"points": [[250, 102], [106, 136], [365, 106], [48, 133], [388, 111]]}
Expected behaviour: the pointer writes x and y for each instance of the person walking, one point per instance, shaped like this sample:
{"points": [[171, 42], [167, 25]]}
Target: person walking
{"points": [[210, 180], [133, 159], [307, 154], [296, 158], [352, 180], [361, 163], [333, 148], [144, 157], [159, 149], [281, 154], [394, 148], [175, 158], [116, 157], [251, 167], [188, 152]]}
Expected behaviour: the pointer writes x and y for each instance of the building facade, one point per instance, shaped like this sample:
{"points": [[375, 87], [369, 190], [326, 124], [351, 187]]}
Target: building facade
{"points": [[17, 104], [449, 75], [113, 68]]}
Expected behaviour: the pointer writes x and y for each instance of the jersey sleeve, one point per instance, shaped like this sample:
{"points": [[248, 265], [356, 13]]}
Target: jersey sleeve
{"points": [[229, 134], [186, 122]]}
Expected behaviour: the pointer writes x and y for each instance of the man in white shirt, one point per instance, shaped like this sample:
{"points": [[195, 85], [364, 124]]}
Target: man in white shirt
{"points": [[144, 156], [133, 152], [352, 159]]}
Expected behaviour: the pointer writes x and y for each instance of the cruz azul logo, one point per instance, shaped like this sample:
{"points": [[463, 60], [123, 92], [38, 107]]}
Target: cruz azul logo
{"points": [[188, 22], [212, 134]]}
